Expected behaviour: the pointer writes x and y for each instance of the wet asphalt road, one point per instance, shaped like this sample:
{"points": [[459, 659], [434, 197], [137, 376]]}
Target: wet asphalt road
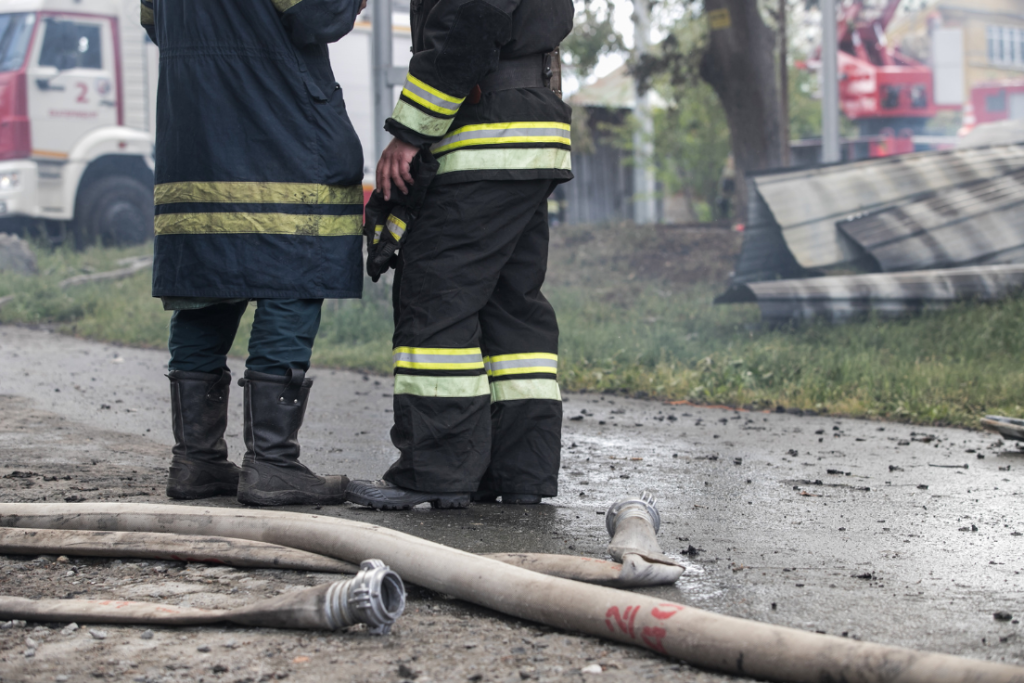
{"points": [[903, 535]]}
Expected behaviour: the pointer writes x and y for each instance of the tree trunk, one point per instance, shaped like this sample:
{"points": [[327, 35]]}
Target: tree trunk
{"points": [[738, 64]]}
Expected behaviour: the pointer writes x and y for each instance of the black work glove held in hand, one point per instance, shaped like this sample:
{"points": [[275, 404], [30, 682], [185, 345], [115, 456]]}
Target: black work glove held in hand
{"points": [[374, 228], [387, 222]]}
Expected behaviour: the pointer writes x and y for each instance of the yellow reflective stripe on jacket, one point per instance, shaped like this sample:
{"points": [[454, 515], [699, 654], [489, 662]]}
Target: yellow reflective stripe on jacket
{"points": [[146, 17], [492, 159], [521, 364], [442, 387], [525, 389], [378, 230], [396, 226], [420, 121], [285, 5], [256, 193], [516, 132], [234, 223], [430, 97], [438, 359]]}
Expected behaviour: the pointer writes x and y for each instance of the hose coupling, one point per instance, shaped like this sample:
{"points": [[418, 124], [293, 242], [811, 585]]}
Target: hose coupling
{"points": [[375, 597], [643, 507]]}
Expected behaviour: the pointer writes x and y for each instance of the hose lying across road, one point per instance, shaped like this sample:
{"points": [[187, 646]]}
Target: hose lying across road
{"points": [[238, 552], [697, 637], [233, 552]]}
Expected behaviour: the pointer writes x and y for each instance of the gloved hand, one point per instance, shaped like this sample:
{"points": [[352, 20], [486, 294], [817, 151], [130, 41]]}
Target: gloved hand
{"points": [[387, 222], [381, 255]]}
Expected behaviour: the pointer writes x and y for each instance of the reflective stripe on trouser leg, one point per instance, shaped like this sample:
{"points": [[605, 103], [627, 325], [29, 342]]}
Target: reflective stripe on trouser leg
{"points": [[441, 418], [523, 376]]}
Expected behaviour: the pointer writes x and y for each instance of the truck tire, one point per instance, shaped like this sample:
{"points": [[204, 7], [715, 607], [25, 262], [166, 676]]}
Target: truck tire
{"points": [[114, 211]]}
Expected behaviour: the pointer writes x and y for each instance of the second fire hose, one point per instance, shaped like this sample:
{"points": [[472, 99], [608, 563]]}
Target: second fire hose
{"points": [[375, 596]]}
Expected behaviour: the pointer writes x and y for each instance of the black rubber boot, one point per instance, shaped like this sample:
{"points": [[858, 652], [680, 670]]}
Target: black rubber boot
{"points": [[383, 495], [271, 471], [199, 415]]}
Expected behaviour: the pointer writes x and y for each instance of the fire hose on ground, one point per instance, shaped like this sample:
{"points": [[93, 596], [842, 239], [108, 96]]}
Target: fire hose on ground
{"points": [[639, 560], [697, 637], [377, 599]]}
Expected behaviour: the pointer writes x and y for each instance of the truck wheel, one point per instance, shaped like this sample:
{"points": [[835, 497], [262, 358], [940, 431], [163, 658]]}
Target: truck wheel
{"points": [[115, 211]]}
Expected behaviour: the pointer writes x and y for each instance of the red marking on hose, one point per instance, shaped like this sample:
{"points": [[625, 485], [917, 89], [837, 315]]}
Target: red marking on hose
{"points": [[666, 610], [652, 637], [632, 620], [624, 620], [168, 609]]}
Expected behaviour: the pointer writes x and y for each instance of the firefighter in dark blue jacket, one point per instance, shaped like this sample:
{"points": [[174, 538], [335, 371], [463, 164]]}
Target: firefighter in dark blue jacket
{"points": [[258, 197], [477, 406]]}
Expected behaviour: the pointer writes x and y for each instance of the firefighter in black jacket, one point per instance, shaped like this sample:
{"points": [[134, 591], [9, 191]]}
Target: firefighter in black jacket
{"points": [[477, 406], [258, 197]]}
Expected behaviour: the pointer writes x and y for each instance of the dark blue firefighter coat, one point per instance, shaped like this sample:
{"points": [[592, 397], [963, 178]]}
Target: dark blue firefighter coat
{"points": [[258, 170]]}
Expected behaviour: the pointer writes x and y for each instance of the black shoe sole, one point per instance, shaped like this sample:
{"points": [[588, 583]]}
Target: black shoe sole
{"points": [[506, 498], [189, 493], [520, 499], [294, 497], [443, 501]]}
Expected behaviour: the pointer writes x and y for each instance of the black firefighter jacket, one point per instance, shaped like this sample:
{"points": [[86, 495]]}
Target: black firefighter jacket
{"points": [[517, 134], [258, 169]]}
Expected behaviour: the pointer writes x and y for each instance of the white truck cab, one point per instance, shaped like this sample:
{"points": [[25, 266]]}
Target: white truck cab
{"points": [[76, 110]]}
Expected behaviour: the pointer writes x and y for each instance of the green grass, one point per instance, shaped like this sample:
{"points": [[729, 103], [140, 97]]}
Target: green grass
{"points": [[945, 367], [642, 339]]}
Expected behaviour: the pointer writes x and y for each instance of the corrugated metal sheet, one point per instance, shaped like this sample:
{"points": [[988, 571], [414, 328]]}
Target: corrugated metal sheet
{"points": [[973, 224], [807, 204], [889, 294], [764, 254]]}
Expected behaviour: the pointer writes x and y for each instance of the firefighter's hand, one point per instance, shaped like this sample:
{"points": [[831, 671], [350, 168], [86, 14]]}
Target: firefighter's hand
{"points": [[362, 6], [393, 167]]}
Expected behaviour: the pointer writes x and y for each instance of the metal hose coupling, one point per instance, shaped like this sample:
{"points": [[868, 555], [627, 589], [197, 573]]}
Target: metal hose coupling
{"points": [[375, 597], [642, 507]]}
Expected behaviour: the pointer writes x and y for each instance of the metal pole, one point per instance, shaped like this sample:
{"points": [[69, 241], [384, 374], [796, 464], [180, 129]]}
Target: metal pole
{"points": [[644, 206], [381, 62], [829, 84], [784, 81]]}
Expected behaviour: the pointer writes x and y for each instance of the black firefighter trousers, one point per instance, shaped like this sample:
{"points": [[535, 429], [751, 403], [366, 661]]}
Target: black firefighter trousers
{"points": [[477, 405]]}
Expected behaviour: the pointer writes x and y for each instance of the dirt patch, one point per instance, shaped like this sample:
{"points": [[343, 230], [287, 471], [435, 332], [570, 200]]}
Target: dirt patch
{"points": [[47, 458], [676, 256], [688, 255]]}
